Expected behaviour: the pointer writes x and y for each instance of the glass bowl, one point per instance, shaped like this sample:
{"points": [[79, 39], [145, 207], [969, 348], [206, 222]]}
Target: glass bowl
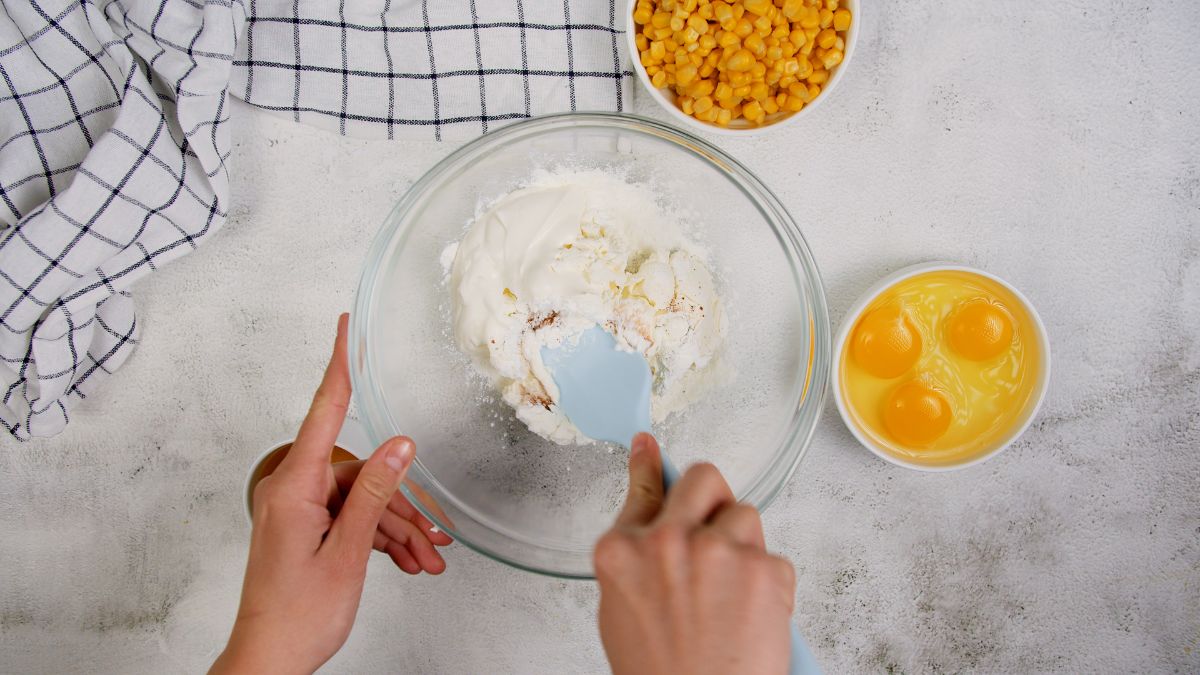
{"points": [[479, 473]]}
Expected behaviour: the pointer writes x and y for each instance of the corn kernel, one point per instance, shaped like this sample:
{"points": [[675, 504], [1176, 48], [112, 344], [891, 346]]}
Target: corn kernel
{"points": [[811, 18], [703, 103], [697, 24], [659, 79], [826, 38], [741, 61], [641, 42], [839, 45], [770, 106], [709, 115], [701, 88], [806, 67], [759, 7], [753, 111], [722, 91], [743, 28], [742, 91], [841, 20], [792, 8], [793, 104], [660, 20], [755, 44], [831, 59], [818, 76], [684, 74], [705, 12], [796, 37], [686, 105], [722, 12], [759, 91], [724, 117], [676, 23]]}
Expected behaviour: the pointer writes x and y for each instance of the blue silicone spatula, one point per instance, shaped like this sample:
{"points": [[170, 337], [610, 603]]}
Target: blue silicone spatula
{"points": [[605, 392]]}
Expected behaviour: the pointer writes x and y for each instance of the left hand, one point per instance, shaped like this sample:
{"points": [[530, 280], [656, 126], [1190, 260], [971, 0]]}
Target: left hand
{"points": [[314, 528]]}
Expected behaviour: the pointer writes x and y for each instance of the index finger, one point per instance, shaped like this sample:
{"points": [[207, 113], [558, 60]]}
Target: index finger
{"points": [[315, 440], [645, 496]]}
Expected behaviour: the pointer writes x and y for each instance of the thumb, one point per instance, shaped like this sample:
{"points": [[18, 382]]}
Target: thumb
{"points": [[353, 531], [645, 483]]}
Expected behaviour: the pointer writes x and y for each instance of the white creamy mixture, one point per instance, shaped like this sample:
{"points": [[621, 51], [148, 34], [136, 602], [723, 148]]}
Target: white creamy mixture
{"points": [[570, 251]]}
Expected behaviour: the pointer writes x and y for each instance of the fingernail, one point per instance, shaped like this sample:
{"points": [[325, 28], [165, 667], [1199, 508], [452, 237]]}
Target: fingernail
{"points": [[640, 442], [399, 454]]}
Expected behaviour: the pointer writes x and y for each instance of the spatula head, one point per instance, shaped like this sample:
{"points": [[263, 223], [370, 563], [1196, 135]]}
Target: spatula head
{"points": [[604, 391]]}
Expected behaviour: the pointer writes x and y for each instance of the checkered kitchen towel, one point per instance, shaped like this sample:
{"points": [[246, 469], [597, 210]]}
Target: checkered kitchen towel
{"points": [[113, 135]]}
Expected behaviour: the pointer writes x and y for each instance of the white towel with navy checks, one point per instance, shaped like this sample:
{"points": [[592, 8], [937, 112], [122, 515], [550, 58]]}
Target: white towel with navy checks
{"points": [[113, 137]]}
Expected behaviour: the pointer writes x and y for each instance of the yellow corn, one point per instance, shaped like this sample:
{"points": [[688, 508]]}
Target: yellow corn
{"points": [[841, 20], [753, 111], [685, 74], [755, 44], [741, 61], [759, 7], [725, 60]]}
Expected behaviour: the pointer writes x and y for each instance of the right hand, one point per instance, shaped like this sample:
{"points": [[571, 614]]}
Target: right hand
{"points": [[686, 583]]}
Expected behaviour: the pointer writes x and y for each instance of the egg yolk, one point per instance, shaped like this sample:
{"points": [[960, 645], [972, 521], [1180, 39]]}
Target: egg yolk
{"points": [[916, 414], [980, 329], [886, 343]]}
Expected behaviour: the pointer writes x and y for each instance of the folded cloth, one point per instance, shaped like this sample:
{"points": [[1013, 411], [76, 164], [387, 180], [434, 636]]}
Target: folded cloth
{"points": [[114, 142]]}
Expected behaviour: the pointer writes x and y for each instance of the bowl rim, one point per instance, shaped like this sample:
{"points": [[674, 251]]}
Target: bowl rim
{"points": [[868, 296], [639, 73], [812, 387]]}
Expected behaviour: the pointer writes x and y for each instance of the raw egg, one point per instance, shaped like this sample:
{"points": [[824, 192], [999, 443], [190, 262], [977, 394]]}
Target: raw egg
{"points": [[917, 414], [980, 329], [886, 343], [939, 366]]}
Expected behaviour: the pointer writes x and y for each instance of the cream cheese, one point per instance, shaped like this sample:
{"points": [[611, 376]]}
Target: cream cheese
{"points": [[569, 251]]}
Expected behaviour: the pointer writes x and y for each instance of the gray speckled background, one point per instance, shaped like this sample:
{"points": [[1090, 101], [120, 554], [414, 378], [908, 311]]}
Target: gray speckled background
{"points": [[1056, 144]]}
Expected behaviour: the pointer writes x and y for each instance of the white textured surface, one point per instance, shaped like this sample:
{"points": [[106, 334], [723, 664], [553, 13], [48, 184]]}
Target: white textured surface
{"points": [[1056, 144]]}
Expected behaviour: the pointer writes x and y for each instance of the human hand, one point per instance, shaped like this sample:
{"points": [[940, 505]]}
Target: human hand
{"points": [[314, 528], [686, 583]]}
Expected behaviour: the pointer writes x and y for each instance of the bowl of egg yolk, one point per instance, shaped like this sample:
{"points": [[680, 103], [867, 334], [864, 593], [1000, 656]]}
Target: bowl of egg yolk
{"points": [[940, 366]]}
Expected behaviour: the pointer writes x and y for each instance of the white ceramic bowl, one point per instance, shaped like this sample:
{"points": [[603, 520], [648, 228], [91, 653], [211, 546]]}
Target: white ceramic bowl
{"points": [[740, 127], [843, 337]]}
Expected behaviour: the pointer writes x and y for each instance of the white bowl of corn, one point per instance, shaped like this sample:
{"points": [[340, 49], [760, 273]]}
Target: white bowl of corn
{"points": [[736, 67]]}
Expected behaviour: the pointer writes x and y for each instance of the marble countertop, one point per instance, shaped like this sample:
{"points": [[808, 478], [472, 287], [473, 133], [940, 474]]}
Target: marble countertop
{"points": [[1055, 144]]}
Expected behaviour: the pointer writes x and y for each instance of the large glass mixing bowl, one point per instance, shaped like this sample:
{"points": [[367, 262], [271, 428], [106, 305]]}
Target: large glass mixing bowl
{"points": [[486, 479]]}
